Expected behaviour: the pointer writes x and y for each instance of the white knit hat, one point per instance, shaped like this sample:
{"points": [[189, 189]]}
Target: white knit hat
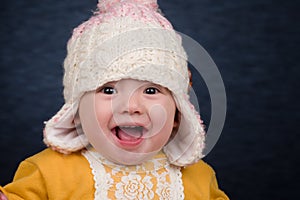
{"points": [[126, 39]]}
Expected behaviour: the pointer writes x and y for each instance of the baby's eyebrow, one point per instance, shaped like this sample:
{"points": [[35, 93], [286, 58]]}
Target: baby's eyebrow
{"points": [[112, 84], [109, 84], [152, 84]]}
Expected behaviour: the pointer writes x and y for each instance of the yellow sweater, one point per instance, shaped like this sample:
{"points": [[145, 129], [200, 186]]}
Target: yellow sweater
{"points": [[54, 176]]}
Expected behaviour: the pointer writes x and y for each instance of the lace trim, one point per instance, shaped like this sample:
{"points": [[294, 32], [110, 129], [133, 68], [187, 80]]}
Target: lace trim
{"points": [[156, 179], [176, 178], [101, 178]]}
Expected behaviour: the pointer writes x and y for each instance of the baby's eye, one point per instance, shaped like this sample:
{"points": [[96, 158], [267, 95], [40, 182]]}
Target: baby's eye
{"points": [[108, 90], [151, 90]]}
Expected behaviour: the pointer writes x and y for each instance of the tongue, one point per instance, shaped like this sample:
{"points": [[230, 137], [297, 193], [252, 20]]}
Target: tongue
{"points": [[129, 134]]}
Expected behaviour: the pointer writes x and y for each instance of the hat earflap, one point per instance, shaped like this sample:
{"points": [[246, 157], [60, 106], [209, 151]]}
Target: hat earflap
{"points": [[61, 133]]}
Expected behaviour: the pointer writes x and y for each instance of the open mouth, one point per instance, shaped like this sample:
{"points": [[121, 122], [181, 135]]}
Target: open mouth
{"points": [[129, 133]]}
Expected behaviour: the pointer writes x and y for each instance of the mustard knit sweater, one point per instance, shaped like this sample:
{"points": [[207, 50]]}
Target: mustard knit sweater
{"points": [[54, 176]]}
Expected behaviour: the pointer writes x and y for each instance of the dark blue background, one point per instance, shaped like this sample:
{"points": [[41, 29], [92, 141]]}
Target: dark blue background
{"points": [[254, 44]]}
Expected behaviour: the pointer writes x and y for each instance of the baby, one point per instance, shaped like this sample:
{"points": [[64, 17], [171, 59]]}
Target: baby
{"points": [[127, 129]]}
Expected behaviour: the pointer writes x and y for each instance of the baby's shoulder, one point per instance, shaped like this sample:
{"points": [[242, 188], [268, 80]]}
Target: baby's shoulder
{"points": [[200, 182], [48, 157], [200, 166], [200, 170]]}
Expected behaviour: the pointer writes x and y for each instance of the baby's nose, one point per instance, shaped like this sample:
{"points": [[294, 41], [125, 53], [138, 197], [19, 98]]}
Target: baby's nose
{"points": [[131, 103], [135, 104]]}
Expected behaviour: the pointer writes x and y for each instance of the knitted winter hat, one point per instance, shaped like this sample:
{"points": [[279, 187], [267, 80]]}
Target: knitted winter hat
{"points": [[126, 39]]}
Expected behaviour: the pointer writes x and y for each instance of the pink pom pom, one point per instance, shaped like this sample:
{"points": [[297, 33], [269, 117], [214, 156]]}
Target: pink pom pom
{"points": [[105, 5], [148, 3]]}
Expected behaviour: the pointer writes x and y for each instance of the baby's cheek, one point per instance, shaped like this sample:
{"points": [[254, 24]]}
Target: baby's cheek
{"points": [[159, 141], [159, 118]]}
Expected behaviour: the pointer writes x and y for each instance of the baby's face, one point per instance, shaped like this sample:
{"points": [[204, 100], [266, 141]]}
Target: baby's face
{"points": [[134, 115], [128, 120]]}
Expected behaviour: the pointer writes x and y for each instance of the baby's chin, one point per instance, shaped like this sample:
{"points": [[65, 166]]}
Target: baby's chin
{"points": [[128, 157], [126, 151]]}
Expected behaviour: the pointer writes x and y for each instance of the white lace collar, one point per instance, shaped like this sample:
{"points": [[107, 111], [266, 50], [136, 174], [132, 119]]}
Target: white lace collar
{"points": [[154, 179]]}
